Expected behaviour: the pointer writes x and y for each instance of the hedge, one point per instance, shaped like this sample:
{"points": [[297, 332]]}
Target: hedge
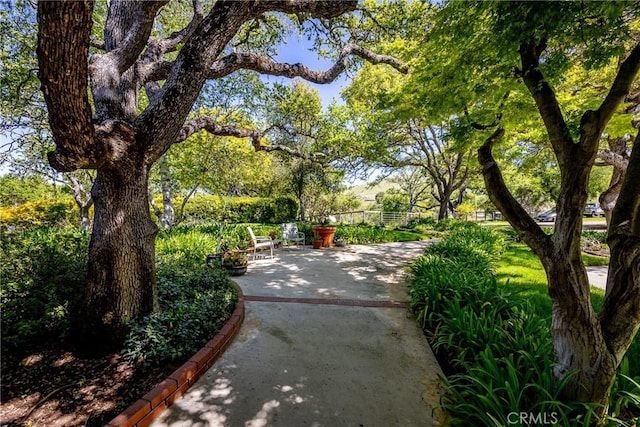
{"points": [[201, 209], [41, 213], [240, 209]]}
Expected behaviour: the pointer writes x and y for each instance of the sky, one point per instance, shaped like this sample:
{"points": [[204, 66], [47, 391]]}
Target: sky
{"points": [[299, 51]]}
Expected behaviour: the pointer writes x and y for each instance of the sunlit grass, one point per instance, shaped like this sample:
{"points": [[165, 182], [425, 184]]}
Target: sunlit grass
{"points": [[593, 260], [520, 269]]}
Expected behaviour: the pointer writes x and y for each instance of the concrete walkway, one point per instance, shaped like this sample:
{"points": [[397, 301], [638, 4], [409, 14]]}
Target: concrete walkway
{"points": [[327, 341], [598, 276]]}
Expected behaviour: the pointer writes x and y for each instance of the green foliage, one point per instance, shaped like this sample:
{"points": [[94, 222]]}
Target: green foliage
{"points": [[195, 301], [395, 203], [194, 304], [493, 340], [208, 209], [42, 275], [41, 213], [363, 234], [491, 388], [594, 236], [186, 246], [15, 190]]}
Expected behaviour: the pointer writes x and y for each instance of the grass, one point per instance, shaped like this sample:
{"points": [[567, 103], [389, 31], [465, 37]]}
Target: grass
{"points": [[594, 260], [521, 270]]}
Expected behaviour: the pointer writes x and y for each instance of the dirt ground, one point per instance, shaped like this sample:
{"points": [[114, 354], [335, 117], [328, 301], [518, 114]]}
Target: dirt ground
{"points": [[51, 387]]}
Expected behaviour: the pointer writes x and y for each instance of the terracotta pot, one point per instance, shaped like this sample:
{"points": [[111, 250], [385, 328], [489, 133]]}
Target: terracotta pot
{"points": [[317, 244], [326, 232]]}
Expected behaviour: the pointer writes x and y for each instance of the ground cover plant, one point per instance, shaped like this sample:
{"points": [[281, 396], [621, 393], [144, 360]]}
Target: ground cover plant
{"points": [[483, 304], [363, 234], [44, 380]]}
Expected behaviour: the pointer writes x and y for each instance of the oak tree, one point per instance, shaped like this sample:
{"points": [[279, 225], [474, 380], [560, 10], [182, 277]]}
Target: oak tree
{"points": [[108, 129]]}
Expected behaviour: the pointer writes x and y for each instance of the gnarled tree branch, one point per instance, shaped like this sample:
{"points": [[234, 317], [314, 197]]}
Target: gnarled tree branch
{"points": [[545, 99], [63, 49], [124, 49], [613, 159], [209, 124], [181, 36], [249, 61], [502, 198]]}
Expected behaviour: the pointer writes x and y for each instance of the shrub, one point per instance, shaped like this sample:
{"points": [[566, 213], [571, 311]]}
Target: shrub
{"points": [[595, 236], [492, 343], [367, 234], [206, 209], [42, 213], [194, 305], [42, 273]]}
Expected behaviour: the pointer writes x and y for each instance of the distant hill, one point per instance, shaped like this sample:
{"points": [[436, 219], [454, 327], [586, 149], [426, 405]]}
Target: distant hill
{"points": [[367, 194]]}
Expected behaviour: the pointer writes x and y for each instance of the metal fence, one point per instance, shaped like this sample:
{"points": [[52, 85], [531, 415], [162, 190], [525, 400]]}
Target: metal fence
{"points": [[378, 217], [402, 218]]}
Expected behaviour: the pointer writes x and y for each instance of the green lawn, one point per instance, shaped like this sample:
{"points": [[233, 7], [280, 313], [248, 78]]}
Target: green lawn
{"points": [[520, 269]]}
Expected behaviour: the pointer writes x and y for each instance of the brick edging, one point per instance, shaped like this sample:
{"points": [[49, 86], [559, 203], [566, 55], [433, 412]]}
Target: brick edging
{"points": [[330, 301], [147, 408]]}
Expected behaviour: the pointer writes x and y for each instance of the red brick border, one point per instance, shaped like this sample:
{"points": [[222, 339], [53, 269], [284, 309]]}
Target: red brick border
{"points": [[330, 301], [147, 408]]}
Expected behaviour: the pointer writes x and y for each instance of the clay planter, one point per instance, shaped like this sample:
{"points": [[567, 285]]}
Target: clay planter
{"points": [[326, 232], [317, 244]]}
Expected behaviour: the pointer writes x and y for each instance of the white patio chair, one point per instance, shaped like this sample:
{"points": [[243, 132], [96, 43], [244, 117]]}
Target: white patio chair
{"points": [[260, 242], [291, 235]]}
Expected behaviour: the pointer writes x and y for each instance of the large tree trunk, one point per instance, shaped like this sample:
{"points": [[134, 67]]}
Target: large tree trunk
{"points": [[576, 334], [121, 273]]}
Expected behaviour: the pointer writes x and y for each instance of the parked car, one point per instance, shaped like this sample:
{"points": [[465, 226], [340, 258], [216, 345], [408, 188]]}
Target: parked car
{"points": [[548, 216], [593, 209]]}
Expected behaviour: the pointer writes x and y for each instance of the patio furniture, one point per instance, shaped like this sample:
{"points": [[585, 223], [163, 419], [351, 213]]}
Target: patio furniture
{"points": [[291, 235], [260, 242]]}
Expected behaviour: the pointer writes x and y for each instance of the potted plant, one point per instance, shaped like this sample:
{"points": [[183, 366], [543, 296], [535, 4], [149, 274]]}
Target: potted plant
{"points": [[235, 262], [326, 232], [215, 259], [317, 242]]}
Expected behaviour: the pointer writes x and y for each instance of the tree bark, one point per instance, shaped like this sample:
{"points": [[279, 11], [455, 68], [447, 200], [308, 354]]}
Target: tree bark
{"points": [[608, 198], [122, 143], [121, 273], [167, 219], [592, 345]]}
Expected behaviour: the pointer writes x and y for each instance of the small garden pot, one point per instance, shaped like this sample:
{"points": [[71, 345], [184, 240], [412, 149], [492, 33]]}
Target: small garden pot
{"points": [[317, 244]]}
